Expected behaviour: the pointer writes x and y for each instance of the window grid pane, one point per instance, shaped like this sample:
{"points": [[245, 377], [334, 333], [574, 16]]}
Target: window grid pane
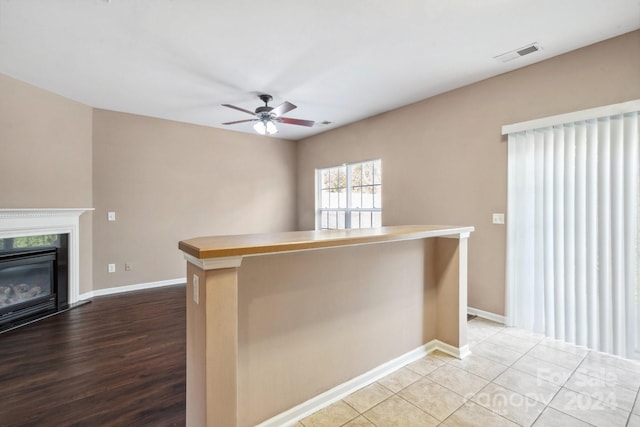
{"points": [[367, 174], [377, 196], [356, 197], [324, 179], [377, 219], [355, 219]]}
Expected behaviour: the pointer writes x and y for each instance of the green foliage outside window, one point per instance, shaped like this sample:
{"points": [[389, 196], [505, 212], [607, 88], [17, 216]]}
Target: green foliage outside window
{"points": [[29, 241]]}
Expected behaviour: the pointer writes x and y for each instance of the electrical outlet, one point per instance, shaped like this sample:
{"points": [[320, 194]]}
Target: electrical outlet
{"points": [[128, 267], [196, 288], [111, 268], [498, 218], [111, 216]]}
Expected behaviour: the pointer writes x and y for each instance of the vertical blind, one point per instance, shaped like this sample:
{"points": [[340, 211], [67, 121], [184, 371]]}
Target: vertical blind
{"points": [[572, 232]]}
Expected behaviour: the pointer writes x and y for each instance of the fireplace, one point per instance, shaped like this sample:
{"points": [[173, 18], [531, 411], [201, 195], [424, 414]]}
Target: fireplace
{"points": [[39, 263], [33, 278]]}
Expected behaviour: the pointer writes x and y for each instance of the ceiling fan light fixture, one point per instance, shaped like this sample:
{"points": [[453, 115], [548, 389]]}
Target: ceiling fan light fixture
{"points": [[265, 127], [271, 128], [260, 128]]}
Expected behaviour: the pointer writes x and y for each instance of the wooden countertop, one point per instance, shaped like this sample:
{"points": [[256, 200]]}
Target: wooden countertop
{"points": [[255, 244]]}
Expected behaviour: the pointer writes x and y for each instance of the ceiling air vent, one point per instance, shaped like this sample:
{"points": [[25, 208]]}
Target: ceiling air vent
{"points": [[517, 53]]}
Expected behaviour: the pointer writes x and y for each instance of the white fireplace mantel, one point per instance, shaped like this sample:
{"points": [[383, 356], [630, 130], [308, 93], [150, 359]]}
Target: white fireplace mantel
{"points": [[36, 221]]}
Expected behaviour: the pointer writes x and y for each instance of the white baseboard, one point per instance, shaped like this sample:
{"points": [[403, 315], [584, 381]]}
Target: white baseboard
{"points": [[458, 353], [295, 414], [129, 288], [486, 315]]}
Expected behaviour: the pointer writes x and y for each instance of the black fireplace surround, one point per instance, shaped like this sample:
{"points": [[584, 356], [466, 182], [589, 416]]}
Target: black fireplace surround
{"points": [[33, 279]]}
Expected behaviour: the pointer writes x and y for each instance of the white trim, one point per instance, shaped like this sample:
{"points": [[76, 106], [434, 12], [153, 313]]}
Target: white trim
{"points": [[462, 235], [42, 212], [293, 415], [487, 315], [576, 116], [214, 263], [129, 288], [457, 352], [464, 351]]}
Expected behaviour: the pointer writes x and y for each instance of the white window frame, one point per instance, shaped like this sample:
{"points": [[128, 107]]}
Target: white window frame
{"points": [[348, 209]]}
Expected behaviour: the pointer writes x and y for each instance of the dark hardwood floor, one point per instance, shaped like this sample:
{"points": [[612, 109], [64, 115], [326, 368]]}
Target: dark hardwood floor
{"points": [[118, 361]]}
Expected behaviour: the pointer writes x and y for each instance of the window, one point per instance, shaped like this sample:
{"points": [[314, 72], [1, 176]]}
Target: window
{"points": [[349, 196]]}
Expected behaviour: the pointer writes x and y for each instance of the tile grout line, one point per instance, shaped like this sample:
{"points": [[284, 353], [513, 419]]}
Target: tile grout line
{"points": [[397, 394], [546, 405], [633, 407], [466, 399], [563, 385], [493, 332]]}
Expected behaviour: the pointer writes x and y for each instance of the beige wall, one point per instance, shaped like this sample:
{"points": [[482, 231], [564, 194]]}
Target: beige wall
{"points": [[435, 170], [60, 153], [169, 181], [444, 160], [45, 157], [370, 302]]}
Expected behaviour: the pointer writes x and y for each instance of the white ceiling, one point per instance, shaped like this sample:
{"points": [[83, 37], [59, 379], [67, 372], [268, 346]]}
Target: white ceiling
{"points": [[337, 60]]}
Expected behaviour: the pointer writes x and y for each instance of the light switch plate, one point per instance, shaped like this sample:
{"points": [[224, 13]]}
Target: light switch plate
{"points": [[498, 218], [111, 216]]}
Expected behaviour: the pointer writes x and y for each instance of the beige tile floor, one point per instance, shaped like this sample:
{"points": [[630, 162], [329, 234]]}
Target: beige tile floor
{"points": [[512, 378]]}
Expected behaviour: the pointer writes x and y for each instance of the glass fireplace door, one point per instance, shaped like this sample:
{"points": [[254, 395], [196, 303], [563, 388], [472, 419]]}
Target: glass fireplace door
{"points": [[27, 279]]}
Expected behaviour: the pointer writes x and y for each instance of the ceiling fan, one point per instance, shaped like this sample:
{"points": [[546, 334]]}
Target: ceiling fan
{"points": [[266, 116]]}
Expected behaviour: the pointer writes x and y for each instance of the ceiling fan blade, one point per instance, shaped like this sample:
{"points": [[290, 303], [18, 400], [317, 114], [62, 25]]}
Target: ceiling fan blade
{"points": [[240, 121], [239, 109], [283, 108], [298, 122]]}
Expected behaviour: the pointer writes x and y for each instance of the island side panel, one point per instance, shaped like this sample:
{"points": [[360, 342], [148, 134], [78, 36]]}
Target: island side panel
{"points": [[451, 264], [309, 321], [212, 347]]}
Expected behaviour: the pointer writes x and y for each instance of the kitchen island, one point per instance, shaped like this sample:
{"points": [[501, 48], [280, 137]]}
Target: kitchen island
{"points": [[279, 324]]}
